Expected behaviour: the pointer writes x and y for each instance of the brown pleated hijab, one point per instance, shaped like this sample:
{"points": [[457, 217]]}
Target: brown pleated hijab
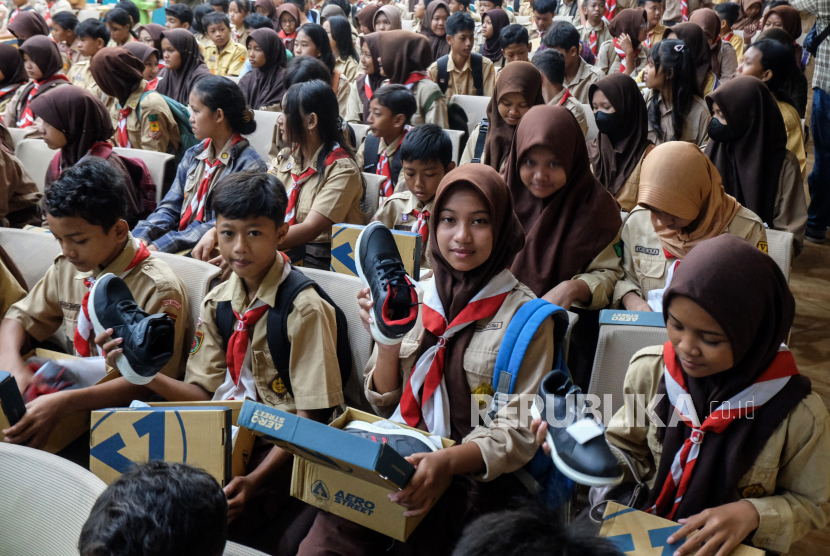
{"points": [[117, 72], [402, 53], [27, 25], [629, 21], [440, 46], [264, 86], [709, 22], [178, 84], [693, 37]]}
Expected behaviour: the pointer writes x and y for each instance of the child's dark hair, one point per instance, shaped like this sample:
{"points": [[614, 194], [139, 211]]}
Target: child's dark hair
{"points": [[678, 67], [320, 38], [561, 34], [529, 529], [67, 20], [551, 63], [181, 12], [588, 2], [544, 6], [119, 17], [159, 508], [199, 13], [465, 3], [514, 34], [257, 21], [216, 18], [129, 7], [220, 92], [243, 5], [642, 3], [497, 3], [427, 142], [730, 11], [314, 97], [248, 195], [342, 4], [93, 190], [341, 32], [299, 4], [398, 99], [776, 4], [302, 69], [780, 60], [460, 21], [94, 28], [222, 4]]}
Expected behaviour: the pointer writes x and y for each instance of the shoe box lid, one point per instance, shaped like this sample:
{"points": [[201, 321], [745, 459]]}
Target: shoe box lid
{"points": [[344, 239], [634, 318]]}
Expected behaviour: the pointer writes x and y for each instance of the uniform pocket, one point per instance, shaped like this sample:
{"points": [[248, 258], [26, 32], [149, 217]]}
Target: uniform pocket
{"points": [[651, 268]]}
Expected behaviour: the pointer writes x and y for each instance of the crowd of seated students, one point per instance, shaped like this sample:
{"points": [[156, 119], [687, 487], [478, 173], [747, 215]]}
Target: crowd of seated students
{"points": [[695, 137]]}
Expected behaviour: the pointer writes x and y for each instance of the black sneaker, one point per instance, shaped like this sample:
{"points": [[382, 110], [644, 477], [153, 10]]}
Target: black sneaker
{"points": [[403, 441], [380, 268], [815, 236], [589, 462], [148, 339]]}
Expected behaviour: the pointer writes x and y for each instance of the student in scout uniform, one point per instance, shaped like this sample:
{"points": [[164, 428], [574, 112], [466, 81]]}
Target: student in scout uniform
{"points": [[676, 110], [434, 28], [312, 40], [150, 58], [150, 35], [579, 75], [543, 13], [624, 52], [346, 60], [185, 66], [366, 19], [14, 74], [27, 25], [20, 7], [178, 16], [551, 64], [475, 235], [594, 32], [264, 85], [237, 363], [93, 36], [795, 86], [238, 10], [387, 18], [491, 27], [63, 31], [749, 149], [19, 196], [461, 60], [694, 38], [85, 210], [723, 60], [618, 151], [568, 9], [369, 80], [426, 157], [759, 478], [515, 43], [486, 5], [141, 117], [518, 88], [289, 20], [184, 215], [728, 14], [654, 14], [681, 203], [120, 25], [463, 6], [198, 26], [224, 56]]}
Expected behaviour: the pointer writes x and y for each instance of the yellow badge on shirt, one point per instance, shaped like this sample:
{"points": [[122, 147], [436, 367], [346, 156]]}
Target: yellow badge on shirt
{"points": [[154, 126], [762, 245], [242, 59], [278, 387], [483, 393]]}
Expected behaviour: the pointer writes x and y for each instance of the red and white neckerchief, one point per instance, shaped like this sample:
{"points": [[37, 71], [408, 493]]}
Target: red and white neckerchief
{"points": [[368, 88], [413, 78], [740, 405], [121, 133], [565, 97], [610, 8], [421, 226], [151, 85], [27, 118], [647, 42], [298, 180], [684, 10], [84, 329], [15, 13], [387, 188], [728, 37], [9, 88], [428, 373], [197, 203], [592, 41], [621, 53], [285, 37]]}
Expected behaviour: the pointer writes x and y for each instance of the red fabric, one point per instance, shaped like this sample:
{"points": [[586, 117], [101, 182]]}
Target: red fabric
{"points": [[197, 204], [121, 132], [421, 226], [290, 211], [728, 37], [621, 53], [384, 168], [151, 85], [238, 343], [285, 37], [368, 89], [414, 77], [610, 8], [565, 97], [592, 42], [28, 118], [684, 10]]}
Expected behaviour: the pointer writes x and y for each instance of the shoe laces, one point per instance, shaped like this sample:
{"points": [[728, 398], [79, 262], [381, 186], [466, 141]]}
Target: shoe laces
{"points": [[392, 278]]}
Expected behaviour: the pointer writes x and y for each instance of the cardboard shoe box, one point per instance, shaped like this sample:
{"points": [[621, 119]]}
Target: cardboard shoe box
{"points": [[344, 238], [340, 473], [637, 533], [197, 433]]}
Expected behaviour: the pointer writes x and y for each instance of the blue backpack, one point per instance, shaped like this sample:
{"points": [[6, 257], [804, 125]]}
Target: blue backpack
{"points": [[539, 475]]}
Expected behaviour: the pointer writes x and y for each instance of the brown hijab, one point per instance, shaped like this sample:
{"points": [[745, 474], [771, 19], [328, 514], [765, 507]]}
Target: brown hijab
{"points": [[791, 18], [615, 157], [440, 46], [270, 11], [679, 179], [44, 52], [264, 86], [693, 37], [746, 293], [27, 25], [492, 46], [408, 53], [629, 22], [178, 84], [518, 77], [155, 30], [566, 231], [366, 16], [709, 22], [744, 21], [392, 13], [117, 72], [292, 10], [456, 288], [11, 66], [141, 50], [750, 164]]}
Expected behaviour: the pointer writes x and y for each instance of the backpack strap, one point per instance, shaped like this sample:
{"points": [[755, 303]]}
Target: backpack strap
{"points": [[370, 154], [443, 74], [397, 165], [482, 140], [224, 322], [476, 66], [430, 101]]}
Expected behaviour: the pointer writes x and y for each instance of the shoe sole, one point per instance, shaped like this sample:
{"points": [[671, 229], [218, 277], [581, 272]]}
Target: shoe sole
{"points": [[121, 361], [817, 241], [370, 427], [376, 333], [569, 472]]}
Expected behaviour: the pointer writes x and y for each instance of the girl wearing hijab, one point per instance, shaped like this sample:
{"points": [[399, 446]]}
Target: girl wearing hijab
{"points": [[518, 89], [409, 56], [694, 38], [185, 65], [434, 27], [618, 151], [13, 74], [312, 40], [681, 203], [43, 65], [788, 19], [796, 87], [27, 25], [141, 117], [749, 18], [748, 145], [772, 63], [184, 215], [387, 18], [492, 22], [150, 35], [477, 235], [366, 19], [623, 53], [368, 81], [263, 86], [676, 111], [722, 56], [267, 8], [761, 476], [289, 20], [340, 38], [150, 58], [80, 126]]}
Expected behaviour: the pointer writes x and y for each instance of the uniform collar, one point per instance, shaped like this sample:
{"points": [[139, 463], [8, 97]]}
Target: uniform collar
{"points": [[224, 155], [414, 204], [558, 98], [451, 64], [297, 166], [135, 96], [390, 148], [581, 74], [266, 293]]}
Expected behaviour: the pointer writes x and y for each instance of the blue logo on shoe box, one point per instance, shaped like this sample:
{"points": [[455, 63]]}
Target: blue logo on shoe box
{"points": [[353, 502]]}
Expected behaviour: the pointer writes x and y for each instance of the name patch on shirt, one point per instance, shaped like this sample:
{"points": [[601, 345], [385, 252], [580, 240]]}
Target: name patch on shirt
{"points": [[646, 250], [70, 306], [489, 326]]}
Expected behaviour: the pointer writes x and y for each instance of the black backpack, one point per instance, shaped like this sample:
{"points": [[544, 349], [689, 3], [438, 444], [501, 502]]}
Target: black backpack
{"points": [[476, 66], [814, 39], [277, 331], [371, 158], [481, 140]]}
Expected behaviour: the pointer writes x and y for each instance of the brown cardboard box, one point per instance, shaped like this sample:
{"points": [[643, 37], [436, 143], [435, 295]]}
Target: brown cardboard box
{"points": [[344, 238]]}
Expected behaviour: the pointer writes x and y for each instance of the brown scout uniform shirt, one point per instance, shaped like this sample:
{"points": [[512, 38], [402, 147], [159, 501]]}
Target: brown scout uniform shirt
{"points": [[81, 76], [608, 61], [695, 129], [582, 81], [157, 131], [228, 62], [390, 149], [460, 81]]}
